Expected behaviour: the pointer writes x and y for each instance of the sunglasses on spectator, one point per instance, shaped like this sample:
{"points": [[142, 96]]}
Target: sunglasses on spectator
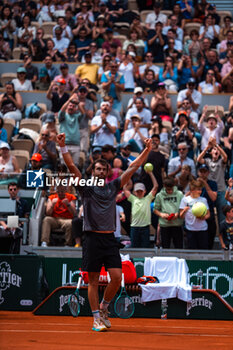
{"points": [[149, 56], [210, 73], [44, 134], [12, 189], [182, 149]]}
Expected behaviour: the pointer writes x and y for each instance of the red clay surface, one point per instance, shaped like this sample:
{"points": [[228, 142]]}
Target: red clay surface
{"points": [[23, 331]]}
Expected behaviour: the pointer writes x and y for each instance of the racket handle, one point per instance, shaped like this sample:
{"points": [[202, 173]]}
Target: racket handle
{"points": [[123, 280], [79, 282]]}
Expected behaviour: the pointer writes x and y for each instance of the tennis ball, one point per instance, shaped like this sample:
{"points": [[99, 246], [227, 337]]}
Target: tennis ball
{"points": [[148, 167], [199, 209]]}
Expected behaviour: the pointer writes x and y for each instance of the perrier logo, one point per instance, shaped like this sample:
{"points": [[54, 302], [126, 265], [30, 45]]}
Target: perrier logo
{"points": [[7, 279]]}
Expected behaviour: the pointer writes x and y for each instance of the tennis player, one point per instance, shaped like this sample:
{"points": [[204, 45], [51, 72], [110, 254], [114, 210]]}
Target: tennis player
{"points": [[99, 205]]}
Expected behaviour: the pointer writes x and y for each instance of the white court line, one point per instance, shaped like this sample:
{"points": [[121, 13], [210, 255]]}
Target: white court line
{"points": [[116, 326], [91, 332]]}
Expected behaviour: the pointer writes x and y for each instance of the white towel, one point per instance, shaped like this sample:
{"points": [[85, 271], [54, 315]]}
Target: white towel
{"points": [[173, 276]]}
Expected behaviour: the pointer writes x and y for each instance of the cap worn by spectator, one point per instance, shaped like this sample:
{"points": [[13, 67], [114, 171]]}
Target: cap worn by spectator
{"points": [[82, 88], [43, 72], [203, 166], [97, 149], [138, 89], [61, 81], [125, 145], [156, 118], [180, 113], [131, 53], [161, 85], [58, 29], [211, 116], [48, 117], [37, 157], [64, 65], [21, 70], [136, 116], [4, 144], [191, 81], [139, 187]]}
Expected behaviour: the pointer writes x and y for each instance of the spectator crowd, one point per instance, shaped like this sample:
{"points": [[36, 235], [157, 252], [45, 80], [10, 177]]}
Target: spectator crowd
{"points": [[183, 48]]}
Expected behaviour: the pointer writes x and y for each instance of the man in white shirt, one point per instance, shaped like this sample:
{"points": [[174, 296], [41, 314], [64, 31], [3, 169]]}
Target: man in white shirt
{"points": [[175, 164], [144, 114], [136, 133], [104, 126], [149, 65], [60, 43], [155, 17], [191, 94]]}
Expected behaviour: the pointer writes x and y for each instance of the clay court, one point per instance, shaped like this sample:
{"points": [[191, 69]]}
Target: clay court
{"points": [[23, 330]]}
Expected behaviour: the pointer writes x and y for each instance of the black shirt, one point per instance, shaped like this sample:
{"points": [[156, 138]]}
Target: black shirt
{"points": [[214, 187], [58, 102], [156, 49], [158, 161]]}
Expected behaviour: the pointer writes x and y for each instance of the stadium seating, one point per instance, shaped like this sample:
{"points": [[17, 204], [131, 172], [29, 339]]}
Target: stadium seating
{"points": [[22, 157], [9, 125], [34, 124], [5, 77]]}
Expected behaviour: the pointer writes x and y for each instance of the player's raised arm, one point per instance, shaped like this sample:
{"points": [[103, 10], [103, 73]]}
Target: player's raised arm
{"points": [[126, 176], [67, 157]]}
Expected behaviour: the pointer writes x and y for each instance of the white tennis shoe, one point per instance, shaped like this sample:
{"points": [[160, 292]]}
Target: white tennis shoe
{"points": [[98, 326], [104, 318]]}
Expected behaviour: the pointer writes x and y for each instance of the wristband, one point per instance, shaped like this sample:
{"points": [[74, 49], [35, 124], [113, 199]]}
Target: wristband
{"points": [[64, 150]]}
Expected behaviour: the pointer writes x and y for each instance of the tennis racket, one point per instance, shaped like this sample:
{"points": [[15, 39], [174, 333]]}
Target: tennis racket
{"points": [[124, 305], [73, 301]]}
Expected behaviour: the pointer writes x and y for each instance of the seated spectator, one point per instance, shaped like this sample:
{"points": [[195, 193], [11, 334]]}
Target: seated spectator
{"points": [[66, 30], [175, 164], [144, 114], [26, 32], [82, 42], [129, 69], [205, 46], [138, 92], [8, 163], [213, 128], [210, 30], [182, 132], [52, 52], [186, 71], [169, 74], [211, 10], [32, 71], [136, 134], [3, 132], [96, 57], [134, 38], [167, 202], [70, 79], [111, 40], [161, 104], [227, 73], [170, 51], [223, 43], [209, 86], [113, 84], [49, 121], [86, 13], [104, 126], [149, 84], [193, 116], [105, 66], [98, 31], [60, 43], [21, 83], [13, 235], [157, 128], [138, 26], [108, 153], [71, 53], [186, 8], [36, 51], [7, 24], [192, 47], [5, 50], [60, 210], [81, 23], [173, 20], [191, 94], [11, 103], [56, 93], [176, 11], [156, 41], [201, 10], [225, 29], [171, 34], [116, 10], [47, 149], [45, 12], [156, 16], [87, 70], [223, 56], [47, 73], [148, 65]]}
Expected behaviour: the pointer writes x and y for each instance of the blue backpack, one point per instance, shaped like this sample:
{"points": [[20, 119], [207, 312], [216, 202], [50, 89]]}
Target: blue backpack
{"points": [[32, 111]]}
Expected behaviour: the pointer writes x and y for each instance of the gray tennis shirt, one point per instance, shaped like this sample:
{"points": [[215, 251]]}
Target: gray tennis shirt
{"points": [[99, 206]]}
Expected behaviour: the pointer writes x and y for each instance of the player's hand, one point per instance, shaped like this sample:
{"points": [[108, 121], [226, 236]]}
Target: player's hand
{"points": [[61, 139], [148, 143]]}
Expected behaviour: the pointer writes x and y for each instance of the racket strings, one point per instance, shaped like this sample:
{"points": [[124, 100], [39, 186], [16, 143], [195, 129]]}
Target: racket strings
{"points": [[124, 307]]}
